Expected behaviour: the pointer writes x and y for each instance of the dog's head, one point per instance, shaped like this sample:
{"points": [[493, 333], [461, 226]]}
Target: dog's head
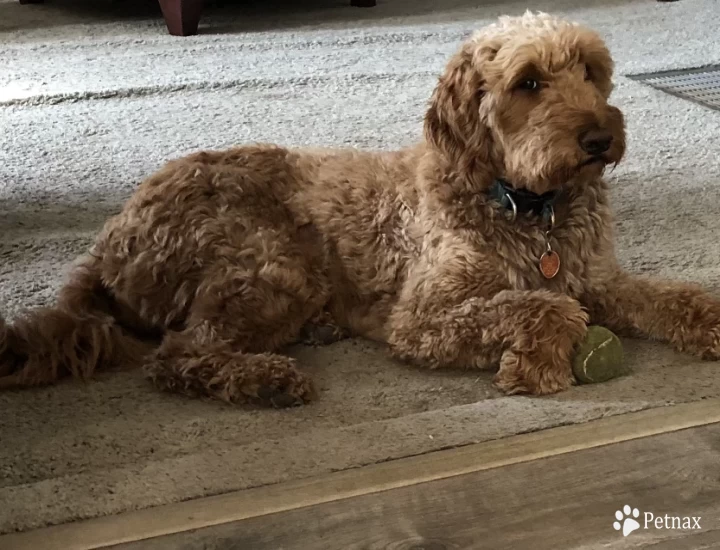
{"points": [[527, 98]]}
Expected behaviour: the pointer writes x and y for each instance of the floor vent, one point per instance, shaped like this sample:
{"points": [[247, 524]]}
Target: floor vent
{"points": [[701, 85]]}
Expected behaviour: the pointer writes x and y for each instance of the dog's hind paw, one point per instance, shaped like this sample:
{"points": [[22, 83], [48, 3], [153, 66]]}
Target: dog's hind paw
{"points": [[276, 382], [264, 379], [322, 330]]}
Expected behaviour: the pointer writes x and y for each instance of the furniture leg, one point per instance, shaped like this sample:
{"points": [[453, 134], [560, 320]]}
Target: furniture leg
{"points": [[182, 16]]}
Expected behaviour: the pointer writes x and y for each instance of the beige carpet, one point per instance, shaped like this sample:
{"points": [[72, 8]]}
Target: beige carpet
{"points": [[93, 97]]}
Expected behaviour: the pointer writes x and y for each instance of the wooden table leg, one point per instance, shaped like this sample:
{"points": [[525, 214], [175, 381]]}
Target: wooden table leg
{"points": [[182, 16]]}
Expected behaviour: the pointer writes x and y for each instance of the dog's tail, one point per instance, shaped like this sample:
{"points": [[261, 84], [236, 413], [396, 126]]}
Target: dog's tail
{"points": [[74, 338]]}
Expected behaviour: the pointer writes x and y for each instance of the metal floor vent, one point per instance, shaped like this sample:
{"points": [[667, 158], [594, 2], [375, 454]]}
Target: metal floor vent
{"points": [[701, 85]]}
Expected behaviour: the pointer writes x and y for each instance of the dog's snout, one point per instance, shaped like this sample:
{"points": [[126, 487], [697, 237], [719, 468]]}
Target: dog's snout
{"points": [[596, 141]]}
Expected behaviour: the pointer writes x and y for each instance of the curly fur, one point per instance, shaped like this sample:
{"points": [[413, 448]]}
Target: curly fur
{"points": [[220, 259]]}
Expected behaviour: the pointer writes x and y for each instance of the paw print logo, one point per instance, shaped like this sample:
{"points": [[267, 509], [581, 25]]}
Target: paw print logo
{"points": [[626, 520]]}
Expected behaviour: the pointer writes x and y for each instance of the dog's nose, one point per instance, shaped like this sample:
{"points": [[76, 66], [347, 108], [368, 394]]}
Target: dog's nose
{"points": [[595, 142]]}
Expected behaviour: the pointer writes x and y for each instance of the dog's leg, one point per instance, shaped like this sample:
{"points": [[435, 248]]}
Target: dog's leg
{"points": [[532, 335], [236, 323], [682, 314], [197, 362]]}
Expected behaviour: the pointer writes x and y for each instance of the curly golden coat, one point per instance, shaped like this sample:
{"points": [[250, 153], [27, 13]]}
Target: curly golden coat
{"points": [[221, 259]]}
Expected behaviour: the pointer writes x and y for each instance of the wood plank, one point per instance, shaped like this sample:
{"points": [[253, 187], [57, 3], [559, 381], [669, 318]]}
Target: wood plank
{"points": [[232, 507], [558, 503]]}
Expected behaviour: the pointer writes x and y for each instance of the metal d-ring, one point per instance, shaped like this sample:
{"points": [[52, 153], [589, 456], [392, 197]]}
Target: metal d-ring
{"points": [[549, 230], [514, 207], [552, 218]]}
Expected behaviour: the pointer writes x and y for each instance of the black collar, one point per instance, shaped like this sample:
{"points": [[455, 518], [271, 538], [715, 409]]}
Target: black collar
{"points": [[522, 201]]}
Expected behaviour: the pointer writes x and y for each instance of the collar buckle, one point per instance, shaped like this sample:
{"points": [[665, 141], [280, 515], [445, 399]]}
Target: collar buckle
{"points": [[519, 201]]}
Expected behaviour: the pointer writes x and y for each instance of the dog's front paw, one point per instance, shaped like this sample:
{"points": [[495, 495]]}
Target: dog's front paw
{"points": [[701, 339], [707, 345], [692, 325], [524, 374]]}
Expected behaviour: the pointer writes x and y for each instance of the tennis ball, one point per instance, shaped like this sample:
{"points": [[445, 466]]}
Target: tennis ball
{"points": [[599, 357]]}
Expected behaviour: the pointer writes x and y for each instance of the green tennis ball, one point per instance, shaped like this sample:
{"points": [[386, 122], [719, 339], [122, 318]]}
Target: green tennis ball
{"points": [[599, 357]]}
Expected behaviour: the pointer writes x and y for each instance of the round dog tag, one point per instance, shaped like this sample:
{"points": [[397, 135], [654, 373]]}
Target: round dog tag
{"points": [[550, 264]]}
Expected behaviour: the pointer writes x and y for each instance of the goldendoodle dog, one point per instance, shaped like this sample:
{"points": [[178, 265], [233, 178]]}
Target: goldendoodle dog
{"points": [[489, 244]]}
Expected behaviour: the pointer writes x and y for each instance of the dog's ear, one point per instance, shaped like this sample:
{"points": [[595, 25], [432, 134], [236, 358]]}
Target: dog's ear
{"points": [[452, 122]]}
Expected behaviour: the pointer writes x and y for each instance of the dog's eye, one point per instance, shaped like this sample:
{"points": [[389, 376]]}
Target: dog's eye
{"points": [[588, 73], [529, 84]]}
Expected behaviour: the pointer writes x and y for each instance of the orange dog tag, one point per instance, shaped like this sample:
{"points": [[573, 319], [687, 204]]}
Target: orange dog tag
{"points": [[550, 264]]}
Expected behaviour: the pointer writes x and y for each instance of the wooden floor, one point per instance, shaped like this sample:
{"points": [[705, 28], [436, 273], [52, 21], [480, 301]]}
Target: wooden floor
{"points": [[564, 496], [562, 502]]}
